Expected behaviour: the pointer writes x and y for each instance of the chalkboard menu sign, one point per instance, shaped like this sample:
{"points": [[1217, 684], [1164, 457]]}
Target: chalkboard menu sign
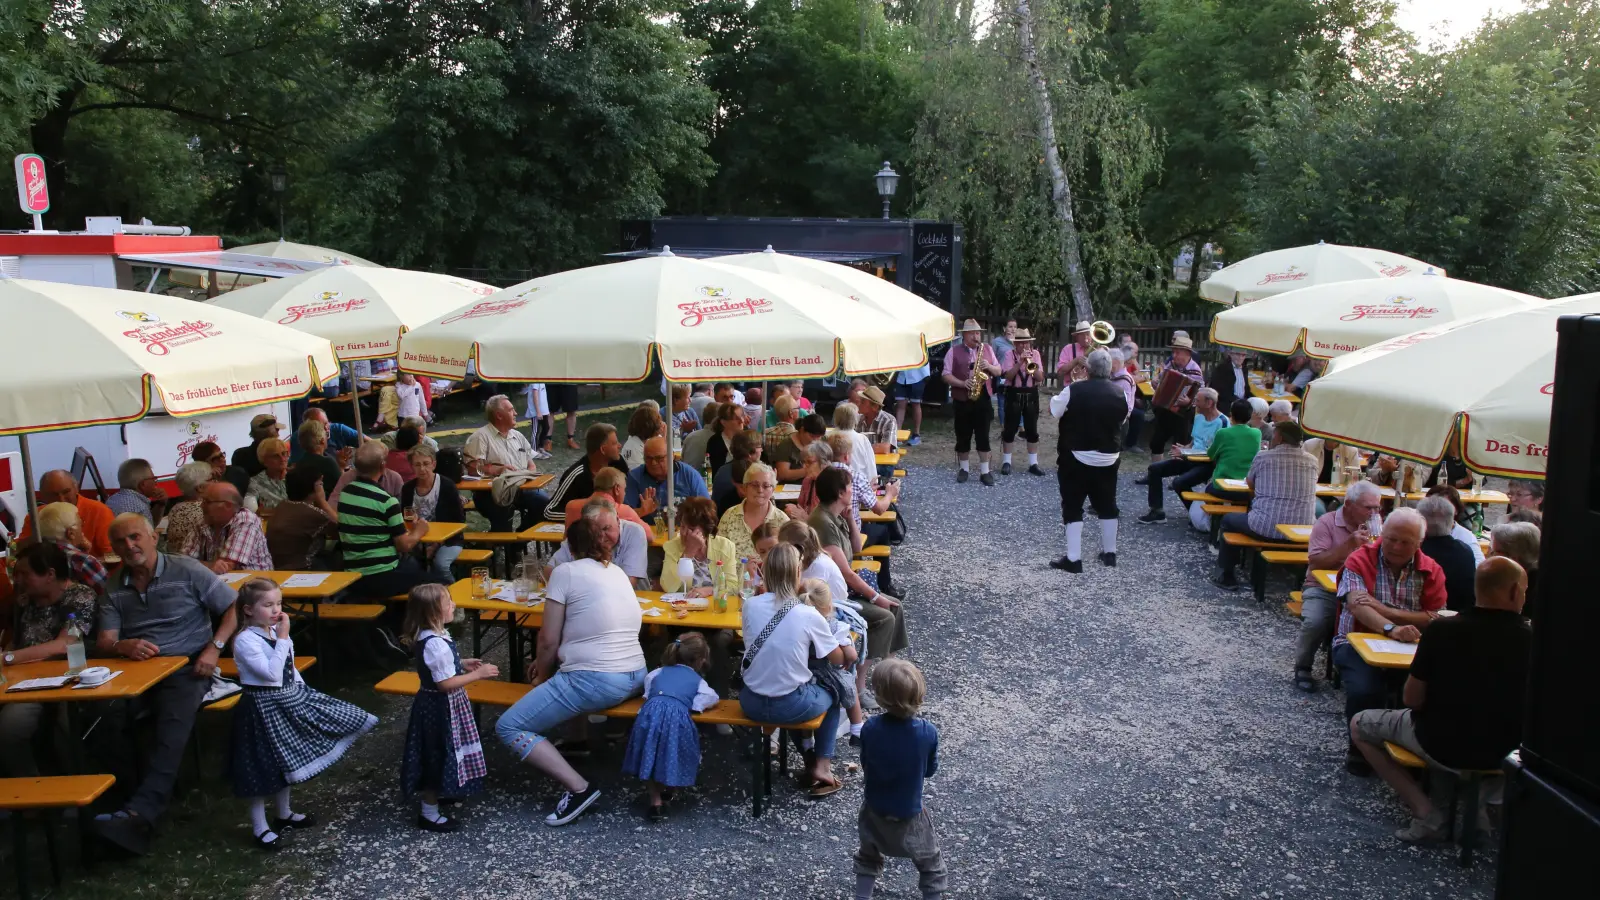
{"points": [[933, 255], [636, 235]]}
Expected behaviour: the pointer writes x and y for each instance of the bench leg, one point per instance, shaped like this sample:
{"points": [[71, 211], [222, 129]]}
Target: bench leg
{"points": [[50, 847], [477, 634], [758, 773], [19, 854], [1258, 576]]}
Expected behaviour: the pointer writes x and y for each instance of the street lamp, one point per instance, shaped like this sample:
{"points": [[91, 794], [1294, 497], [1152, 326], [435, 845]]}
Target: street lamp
{"points": [[280, 184], [887, 179]]}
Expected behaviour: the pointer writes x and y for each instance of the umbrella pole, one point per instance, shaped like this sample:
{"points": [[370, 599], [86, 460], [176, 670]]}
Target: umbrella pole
{"points": [[672, 464], [355, 399], [761, 414], [27, 480]]}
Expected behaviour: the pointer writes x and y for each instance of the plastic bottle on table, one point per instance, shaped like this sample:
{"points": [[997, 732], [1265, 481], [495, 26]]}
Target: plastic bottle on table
{"points": [[77, 657], [747, 580]]}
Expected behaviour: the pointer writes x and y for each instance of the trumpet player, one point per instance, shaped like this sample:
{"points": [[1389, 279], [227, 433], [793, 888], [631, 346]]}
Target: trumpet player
{"points": [[967, 364], [1022, 370], [1074, 355]]}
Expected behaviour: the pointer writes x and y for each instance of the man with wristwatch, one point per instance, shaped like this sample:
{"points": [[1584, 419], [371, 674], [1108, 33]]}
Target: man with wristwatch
{"points": [[159, 605], [1391, 588]]}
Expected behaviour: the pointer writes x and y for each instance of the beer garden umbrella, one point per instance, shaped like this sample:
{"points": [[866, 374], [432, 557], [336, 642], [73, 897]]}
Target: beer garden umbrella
{"points": [[1492, 375], [362, 310], [280, 249], [937, 325], [1280, 271], [95, 356], [1330, 320], [701, 322]]}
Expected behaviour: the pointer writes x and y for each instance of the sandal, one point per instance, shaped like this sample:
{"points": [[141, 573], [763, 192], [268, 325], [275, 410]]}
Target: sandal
{"points": [[1305, 682], [820, 788]]}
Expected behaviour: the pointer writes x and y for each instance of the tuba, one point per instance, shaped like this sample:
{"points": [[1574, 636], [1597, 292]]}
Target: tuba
{"points": [[1101, 333]]}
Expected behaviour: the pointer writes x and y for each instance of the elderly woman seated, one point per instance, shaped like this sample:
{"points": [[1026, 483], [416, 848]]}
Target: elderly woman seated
{"points": [[185, 515], [863, 462], [1519, 542], [267, 485], [59, 524]]}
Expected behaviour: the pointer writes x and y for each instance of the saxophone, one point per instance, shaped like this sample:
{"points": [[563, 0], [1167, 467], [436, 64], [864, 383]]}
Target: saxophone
{"points": [[978, 377]]}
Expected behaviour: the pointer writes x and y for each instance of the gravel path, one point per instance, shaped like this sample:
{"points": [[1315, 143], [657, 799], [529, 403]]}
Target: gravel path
{"points": [[1127, 732]]}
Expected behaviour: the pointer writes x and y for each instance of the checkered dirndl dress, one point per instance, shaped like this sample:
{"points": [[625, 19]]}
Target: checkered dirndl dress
{"points": [[286, 735], [443, 753]]}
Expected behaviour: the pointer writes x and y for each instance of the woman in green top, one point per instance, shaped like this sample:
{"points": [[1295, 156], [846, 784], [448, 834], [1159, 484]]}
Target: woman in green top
{"points": [[1232, 450]]}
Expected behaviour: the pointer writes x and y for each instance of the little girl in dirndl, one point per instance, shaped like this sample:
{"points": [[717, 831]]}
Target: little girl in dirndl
{"points": [[443, 756], [283, 731], [664, 746]]}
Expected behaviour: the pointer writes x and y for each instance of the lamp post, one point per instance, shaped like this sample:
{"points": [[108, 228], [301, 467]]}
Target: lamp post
{"points": [[280, 184], [887, 179]]}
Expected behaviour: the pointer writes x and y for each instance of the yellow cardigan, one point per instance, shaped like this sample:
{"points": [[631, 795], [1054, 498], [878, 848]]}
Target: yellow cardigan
{"points": [[718, 549]]}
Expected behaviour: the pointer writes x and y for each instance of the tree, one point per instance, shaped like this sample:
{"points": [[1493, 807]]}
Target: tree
{"points": [[981, 156]]}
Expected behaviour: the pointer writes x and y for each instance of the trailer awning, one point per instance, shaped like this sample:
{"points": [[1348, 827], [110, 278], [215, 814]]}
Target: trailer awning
{"points": [[226, 261]]}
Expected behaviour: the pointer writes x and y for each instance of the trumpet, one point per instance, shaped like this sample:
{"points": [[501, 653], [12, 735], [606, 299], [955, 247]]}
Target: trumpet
{"points": [[1032, 366]]}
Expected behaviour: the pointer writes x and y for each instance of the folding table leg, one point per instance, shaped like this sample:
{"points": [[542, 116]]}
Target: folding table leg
{"points": [[19, 840]]}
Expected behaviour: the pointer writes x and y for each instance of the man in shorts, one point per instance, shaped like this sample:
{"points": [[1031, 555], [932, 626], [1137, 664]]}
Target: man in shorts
{"points": [[908, 385], [564, 398]]}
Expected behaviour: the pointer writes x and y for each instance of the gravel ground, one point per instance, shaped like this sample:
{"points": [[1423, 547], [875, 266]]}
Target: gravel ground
{"points": [[1127, 732]]}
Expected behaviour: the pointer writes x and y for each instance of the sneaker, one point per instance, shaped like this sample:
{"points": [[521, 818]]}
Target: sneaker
{"points": [[1154, 516], [961, 476], [571, 806], [1424, 831], [725, 730], [1035, 470], [1109, 560], [869, 700], [987, 478], [1005, 468], [916, 440], [1068, 565], [1356, 764]]}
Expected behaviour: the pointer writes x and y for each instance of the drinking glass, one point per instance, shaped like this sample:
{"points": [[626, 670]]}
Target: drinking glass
{"points": [[409, 514], [480, 583]]}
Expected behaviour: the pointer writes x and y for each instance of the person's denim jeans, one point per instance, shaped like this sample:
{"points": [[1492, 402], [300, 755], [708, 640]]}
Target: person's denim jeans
{"points": [[801, 705], [1364, 687], [565, 696], [1316, 625], [443, 559]]}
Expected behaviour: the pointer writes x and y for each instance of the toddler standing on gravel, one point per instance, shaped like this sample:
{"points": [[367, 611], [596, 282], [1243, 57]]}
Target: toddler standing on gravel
{"points": [[898, 751]]}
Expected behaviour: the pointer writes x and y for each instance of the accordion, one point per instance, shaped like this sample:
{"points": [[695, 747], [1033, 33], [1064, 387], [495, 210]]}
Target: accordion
{"points": [[1171, 387]]}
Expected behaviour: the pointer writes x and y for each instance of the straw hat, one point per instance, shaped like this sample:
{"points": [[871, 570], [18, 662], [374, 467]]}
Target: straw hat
{"points": [[970, 325], [1081, 327], [1181, 341], [873, 394], [1022, 334]]}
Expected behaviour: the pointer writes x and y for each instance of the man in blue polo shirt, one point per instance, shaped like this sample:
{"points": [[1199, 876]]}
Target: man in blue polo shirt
{"points": [[647, 484]]}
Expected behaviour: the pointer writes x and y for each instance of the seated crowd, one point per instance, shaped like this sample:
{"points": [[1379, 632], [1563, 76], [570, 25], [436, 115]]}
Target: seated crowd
{"points": [[331, 499]]}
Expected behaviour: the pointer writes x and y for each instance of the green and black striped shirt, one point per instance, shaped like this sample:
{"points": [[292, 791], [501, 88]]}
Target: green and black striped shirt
{"points": [[369, 521]]}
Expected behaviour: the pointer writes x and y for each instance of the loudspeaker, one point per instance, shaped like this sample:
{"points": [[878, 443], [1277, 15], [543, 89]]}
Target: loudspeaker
{"points": [[1559, 740]]}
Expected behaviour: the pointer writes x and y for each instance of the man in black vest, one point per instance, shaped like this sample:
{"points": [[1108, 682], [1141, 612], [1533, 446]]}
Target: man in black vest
{"points": [[1087, 454]]}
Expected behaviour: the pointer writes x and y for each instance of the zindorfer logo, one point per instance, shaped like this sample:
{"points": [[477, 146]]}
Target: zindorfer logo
{"points": [[698, 311], [487, 309], [1395, 307], [158, 339], [326, 304], [1293, 273]]}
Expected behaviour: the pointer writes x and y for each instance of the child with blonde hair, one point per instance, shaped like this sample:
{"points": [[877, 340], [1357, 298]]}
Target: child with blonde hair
{"points": [[898, 751], [664, 746], [837, 680]]}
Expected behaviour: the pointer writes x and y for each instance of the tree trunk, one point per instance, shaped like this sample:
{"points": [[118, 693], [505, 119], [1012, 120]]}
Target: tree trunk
{"points": [[1060, 190], [1194, 268]]}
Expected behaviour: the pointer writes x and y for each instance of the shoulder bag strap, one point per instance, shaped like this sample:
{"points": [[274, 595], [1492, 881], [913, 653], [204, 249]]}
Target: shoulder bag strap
{"points": [[761, 639]]}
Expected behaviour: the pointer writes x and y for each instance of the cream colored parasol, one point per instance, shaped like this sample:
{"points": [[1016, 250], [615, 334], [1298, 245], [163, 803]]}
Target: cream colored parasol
{"points": [[1493, 374], [1280, 271], [1331, 320]]}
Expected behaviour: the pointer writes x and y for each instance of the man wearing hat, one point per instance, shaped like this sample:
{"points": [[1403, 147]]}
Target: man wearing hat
{"points": [[878, 424], [261, 427], [1088, 454], [1022, 400], [1074, 354], [1172, 424], [971, 414]]}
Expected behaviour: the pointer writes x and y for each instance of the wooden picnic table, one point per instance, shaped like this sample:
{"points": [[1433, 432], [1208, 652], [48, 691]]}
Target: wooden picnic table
{"points": [[332, 585], [1300, 534], [888, 459], [903, 434], [1239, 485], [868, 515], [1327, 578], [1489, 498], [439, 532], [1375, 658], [1258, 388], [137, 677], [535, 483], [556, 532], [1146, 389]]}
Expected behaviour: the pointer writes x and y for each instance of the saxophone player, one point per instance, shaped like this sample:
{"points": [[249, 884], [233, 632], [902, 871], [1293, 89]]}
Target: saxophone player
{"points": [[969, 368], [1023, 370]]}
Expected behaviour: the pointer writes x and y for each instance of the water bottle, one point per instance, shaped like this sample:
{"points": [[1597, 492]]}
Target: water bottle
{"points": [[77, 658], [747, 580], [719, 590]]}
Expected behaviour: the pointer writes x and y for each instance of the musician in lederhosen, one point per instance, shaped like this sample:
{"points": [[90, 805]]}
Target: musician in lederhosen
{"points": [[972, 414], [1023, 371], [1087, 456]]}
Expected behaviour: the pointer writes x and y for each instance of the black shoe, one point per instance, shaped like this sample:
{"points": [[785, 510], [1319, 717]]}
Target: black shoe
{"points": [[961, 476], [1141, 481], [1357, 765], [657, 813], [1035, 470], [667, 794], [443, 826], [1005, 468], [987, 478], [267, 840], [1067, 565], [1226, 581], [130, 833], [298, 820], [1154, 516], [855, 740], [571, 806], [1109, 559], [1304, 681]]}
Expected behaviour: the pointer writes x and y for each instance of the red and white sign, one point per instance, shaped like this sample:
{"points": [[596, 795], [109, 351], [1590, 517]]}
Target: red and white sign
{"points": [[721, 306], [1294, 273], [33, 191], [485, 310], [328, 303]]}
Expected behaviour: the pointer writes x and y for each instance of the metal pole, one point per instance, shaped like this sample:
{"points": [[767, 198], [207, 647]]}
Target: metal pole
{"points": [[886, 207], [355, 400], [27, 480], [280, 215], [672, 464]]}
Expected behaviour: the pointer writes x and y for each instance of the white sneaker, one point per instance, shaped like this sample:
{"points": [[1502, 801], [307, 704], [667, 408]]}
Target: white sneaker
{"points": [[725, 730]]}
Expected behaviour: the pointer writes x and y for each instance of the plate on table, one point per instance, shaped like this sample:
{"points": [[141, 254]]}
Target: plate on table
{"points": [[677, 600]]}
